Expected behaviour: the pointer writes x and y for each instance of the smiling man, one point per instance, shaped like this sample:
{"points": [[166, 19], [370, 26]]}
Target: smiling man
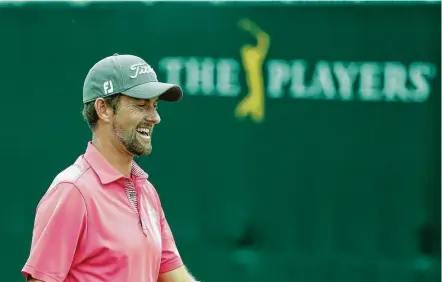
{"points": [[101, 219]]}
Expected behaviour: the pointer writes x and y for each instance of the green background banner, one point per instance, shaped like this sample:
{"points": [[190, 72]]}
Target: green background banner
{"points": [[306, 148]]}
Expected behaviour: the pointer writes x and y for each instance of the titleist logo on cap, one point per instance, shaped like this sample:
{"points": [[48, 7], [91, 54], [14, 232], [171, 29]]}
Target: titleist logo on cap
{"points": [[142, 68]]}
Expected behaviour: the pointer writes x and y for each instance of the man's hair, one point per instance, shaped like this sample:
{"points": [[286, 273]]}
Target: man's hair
{"points": [[90, 114]]}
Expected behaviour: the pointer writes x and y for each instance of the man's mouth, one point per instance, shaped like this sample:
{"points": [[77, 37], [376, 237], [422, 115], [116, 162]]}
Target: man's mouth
{"points": [[144, 132]]}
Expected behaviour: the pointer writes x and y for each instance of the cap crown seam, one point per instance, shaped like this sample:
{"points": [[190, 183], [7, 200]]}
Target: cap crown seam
{"points": [[121, 75]]}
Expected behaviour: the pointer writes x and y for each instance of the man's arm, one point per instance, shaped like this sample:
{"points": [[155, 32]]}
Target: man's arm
{"points": [[60, 223], [181, 274]]}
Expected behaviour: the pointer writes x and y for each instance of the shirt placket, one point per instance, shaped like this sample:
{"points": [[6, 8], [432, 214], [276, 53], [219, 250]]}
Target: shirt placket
{"points": [[132, 196]]}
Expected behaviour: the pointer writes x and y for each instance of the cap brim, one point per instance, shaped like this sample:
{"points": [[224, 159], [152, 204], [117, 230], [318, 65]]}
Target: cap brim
{"points": [[164, 91]]}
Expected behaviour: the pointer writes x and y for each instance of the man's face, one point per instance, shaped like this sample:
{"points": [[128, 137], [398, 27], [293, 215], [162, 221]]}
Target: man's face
{"points": [[133, 124]]}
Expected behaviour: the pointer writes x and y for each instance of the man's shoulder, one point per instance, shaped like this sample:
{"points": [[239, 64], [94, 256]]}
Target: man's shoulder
{"points": [[150, 187], [65, 183], [72, 174], [152, 193]]}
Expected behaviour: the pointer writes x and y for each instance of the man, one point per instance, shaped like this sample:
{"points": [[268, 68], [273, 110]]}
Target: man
{"points": [[101, 219]]}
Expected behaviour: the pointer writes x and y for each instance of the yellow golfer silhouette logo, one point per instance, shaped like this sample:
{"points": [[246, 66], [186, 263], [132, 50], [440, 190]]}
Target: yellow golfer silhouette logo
{"points": [[253, 57]]}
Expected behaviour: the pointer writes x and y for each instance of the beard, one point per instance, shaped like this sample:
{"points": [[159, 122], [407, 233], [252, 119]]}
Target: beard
{"points": [[130, 140]]}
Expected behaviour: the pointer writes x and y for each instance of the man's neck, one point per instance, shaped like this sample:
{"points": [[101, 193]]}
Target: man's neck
{"points": [[117, 157]]}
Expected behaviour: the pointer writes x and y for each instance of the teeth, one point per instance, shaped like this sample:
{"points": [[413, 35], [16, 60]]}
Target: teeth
{"points": [[143, 130]]}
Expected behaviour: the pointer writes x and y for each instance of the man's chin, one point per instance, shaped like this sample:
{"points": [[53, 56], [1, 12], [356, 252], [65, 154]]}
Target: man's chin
{"points": [[144, 153]]}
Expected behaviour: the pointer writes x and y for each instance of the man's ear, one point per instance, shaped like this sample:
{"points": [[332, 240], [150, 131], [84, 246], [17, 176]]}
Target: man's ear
{"points": [[104, 111]]}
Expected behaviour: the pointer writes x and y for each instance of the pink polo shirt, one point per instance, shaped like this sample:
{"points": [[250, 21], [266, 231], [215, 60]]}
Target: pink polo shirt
{"points": [[89, 228]]}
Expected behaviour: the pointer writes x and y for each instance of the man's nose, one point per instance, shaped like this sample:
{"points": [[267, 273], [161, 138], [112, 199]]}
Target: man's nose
{"points": [[155, 118]]}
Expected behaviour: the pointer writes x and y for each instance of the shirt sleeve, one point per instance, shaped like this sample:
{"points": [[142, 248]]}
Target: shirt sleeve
{"points": [[170, 257], [60, 223]]}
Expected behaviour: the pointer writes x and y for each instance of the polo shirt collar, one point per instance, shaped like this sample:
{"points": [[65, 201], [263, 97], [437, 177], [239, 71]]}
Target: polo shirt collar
{"points": [[104, 170]]}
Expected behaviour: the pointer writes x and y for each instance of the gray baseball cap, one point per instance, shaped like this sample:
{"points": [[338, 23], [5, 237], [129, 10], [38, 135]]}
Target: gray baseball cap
{"points": [[128, 75]]}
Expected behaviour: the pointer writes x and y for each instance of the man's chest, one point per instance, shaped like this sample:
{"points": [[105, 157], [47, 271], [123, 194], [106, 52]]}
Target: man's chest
{"points": [[122, 228]]}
